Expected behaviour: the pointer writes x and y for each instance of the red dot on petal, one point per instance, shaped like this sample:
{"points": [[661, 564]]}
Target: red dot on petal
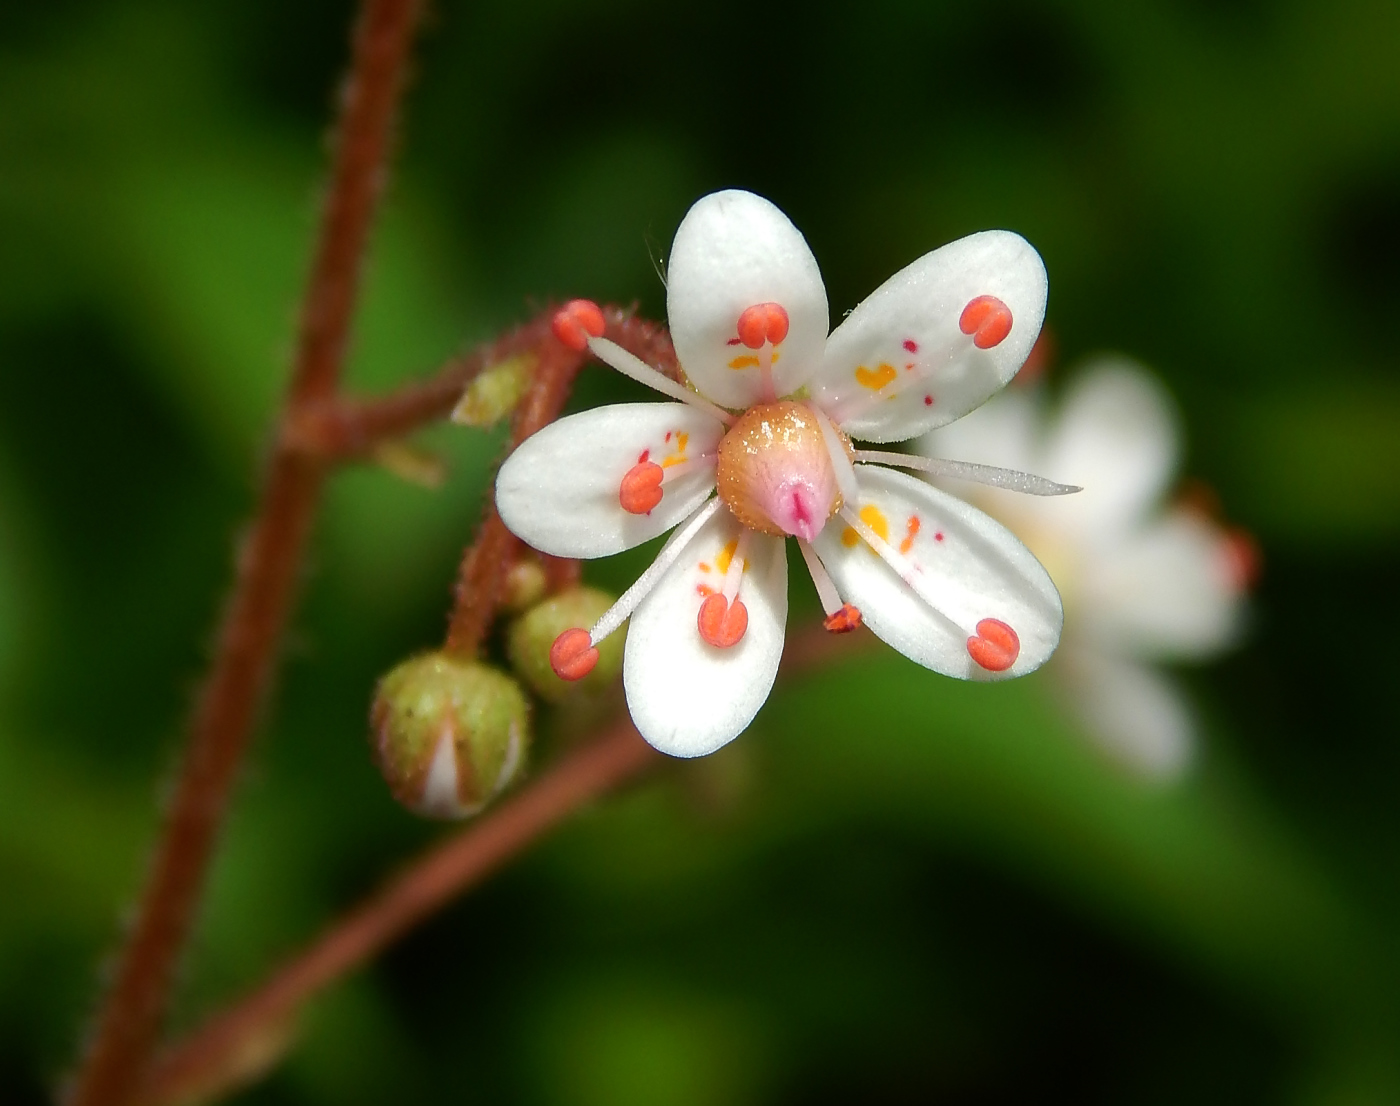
{"points": [[911, 345], [576, 322], [995, 647], [573, 655], [987, 319], [722, 623], [928, 401]]}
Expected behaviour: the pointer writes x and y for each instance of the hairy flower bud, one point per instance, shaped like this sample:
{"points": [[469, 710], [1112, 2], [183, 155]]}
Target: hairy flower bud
{"points": [[533, 634], [448, 734], [495, 392]]}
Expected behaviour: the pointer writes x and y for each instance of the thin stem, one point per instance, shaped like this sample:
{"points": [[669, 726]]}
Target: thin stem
{"points": [[129, 1019], [225, 1052]]}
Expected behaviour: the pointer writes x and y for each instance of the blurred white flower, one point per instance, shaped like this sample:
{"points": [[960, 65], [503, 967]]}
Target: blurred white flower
{"points": [[1142, 581]]}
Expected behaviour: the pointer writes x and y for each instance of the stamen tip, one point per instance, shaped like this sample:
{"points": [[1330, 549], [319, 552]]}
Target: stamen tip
{"points": [[576, 322], [573, 654], [995, 646], [722, 623], [845, 620]]}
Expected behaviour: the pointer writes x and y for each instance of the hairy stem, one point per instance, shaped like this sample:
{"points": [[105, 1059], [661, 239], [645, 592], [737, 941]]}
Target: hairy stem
{"points": [[269, 559]]}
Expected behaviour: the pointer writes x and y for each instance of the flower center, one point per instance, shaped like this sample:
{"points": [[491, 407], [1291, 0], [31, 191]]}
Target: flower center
{"points": [[775, 473]]}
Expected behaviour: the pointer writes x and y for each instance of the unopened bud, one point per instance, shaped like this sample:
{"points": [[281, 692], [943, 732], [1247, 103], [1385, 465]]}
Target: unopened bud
{"points": [[448, 734], [495, 392], [533, 635], [525, 585]]}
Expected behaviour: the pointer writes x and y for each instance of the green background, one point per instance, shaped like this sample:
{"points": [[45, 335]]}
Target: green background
{"points": [[894, 888]]}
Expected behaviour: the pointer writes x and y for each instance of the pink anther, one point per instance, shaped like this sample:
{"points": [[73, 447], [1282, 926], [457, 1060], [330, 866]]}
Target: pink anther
{"points": [[845, 620], [763, 322], [987, 319], [996, 645], [573, 655], [576, 322], [722, 623], [641, 488]]}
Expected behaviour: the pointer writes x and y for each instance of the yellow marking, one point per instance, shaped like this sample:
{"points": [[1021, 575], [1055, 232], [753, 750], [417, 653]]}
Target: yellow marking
{"points": [[676, 458], [748, 361], [726, 555], [876, 378], [873, 517]]}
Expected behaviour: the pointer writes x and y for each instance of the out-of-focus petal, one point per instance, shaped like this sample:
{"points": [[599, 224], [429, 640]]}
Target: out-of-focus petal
{"points": [[965, 568], [1134, 713], [687, 697], [733, 251], [1116, 436], [1168, 590], [901, 363], [559, 491]]}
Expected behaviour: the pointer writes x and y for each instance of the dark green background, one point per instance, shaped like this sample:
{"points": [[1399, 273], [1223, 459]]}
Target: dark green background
{"points": [[895, 888]]}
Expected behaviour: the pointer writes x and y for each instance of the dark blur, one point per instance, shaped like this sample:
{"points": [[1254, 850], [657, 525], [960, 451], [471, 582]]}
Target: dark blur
{"points": [[893, 889]]}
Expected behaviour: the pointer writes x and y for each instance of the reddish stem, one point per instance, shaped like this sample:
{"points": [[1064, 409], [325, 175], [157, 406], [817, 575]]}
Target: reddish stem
{"points": [[204, 1064], [129, 1019]]}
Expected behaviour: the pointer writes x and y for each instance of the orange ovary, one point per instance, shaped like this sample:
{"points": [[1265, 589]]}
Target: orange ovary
{"points": [[987, 320], [763, 322], [576, 322], [573, 655], [875, 378], [721, 622], [845, 620], [641, 488], [996, 645]]}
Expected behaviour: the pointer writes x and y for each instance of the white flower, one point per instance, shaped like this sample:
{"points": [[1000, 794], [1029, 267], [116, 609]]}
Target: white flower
{"points": [[1143, 582], [770, 430]]}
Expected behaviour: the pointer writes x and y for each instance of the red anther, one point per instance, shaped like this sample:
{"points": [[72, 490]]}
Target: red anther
{"points": [[641, 488], [721, 622], [845, 620], [763, 322], [576, 322], [1243, 558], [987, 319], [996, 645], [573, 655]]}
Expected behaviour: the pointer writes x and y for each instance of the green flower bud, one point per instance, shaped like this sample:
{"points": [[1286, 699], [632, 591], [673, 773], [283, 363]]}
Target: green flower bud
{"points": [[531, 636], [495, 392], [448, 734], [525, 584]]}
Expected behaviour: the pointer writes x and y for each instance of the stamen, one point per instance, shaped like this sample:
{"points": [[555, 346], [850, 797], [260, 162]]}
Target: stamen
{"points": [[628, 364], [683, 468], [722, 623], [572, 656], [988, 321], [840, 460], [576, 322], [738, 561], [763, 322], [830, 598], [1010, 479], [620, 611], [920, 584], [641, 488], [995, 646]]}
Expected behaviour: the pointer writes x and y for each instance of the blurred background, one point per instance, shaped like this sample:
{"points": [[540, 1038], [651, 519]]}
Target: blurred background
{"points": [[895, 888]]}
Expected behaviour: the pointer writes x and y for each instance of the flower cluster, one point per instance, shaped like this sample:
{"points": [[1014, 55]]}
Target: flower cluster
{"points": [[759, 449], [1143, 583]]}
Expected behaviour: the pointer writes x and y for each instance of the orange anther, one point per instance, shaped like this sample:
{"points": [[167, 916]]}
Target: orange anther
{"points": [[641, 488], [1243, 559], [845, 620], [987, 319], [721, 622], [996, 645], [573, 655], [763, 322], [576, 322]]}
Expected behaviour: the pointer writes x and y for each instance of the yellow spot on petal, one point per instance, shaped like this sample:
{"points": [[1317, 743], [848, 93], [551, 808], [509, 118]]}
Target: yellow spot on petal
{"points": [[873, 517], [875, 378], [726, 555], [849, 538], [748, 361]]}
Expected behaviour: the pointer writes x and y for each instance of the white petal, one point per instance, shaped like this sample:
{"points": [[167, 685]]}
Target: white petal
{"points": [[1132, 712], [971, 565], [735, 250], [943, 376], [687, 697], [559, 491], [1166, 591], [1004, 431], [1116, 436]]}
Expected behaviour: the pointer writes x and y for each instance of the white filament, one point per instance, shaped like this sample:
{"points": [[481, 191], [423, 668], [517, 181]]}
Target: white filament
{"points": [[919, 582], [629, 364], [821, 579], [994, 477]]}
